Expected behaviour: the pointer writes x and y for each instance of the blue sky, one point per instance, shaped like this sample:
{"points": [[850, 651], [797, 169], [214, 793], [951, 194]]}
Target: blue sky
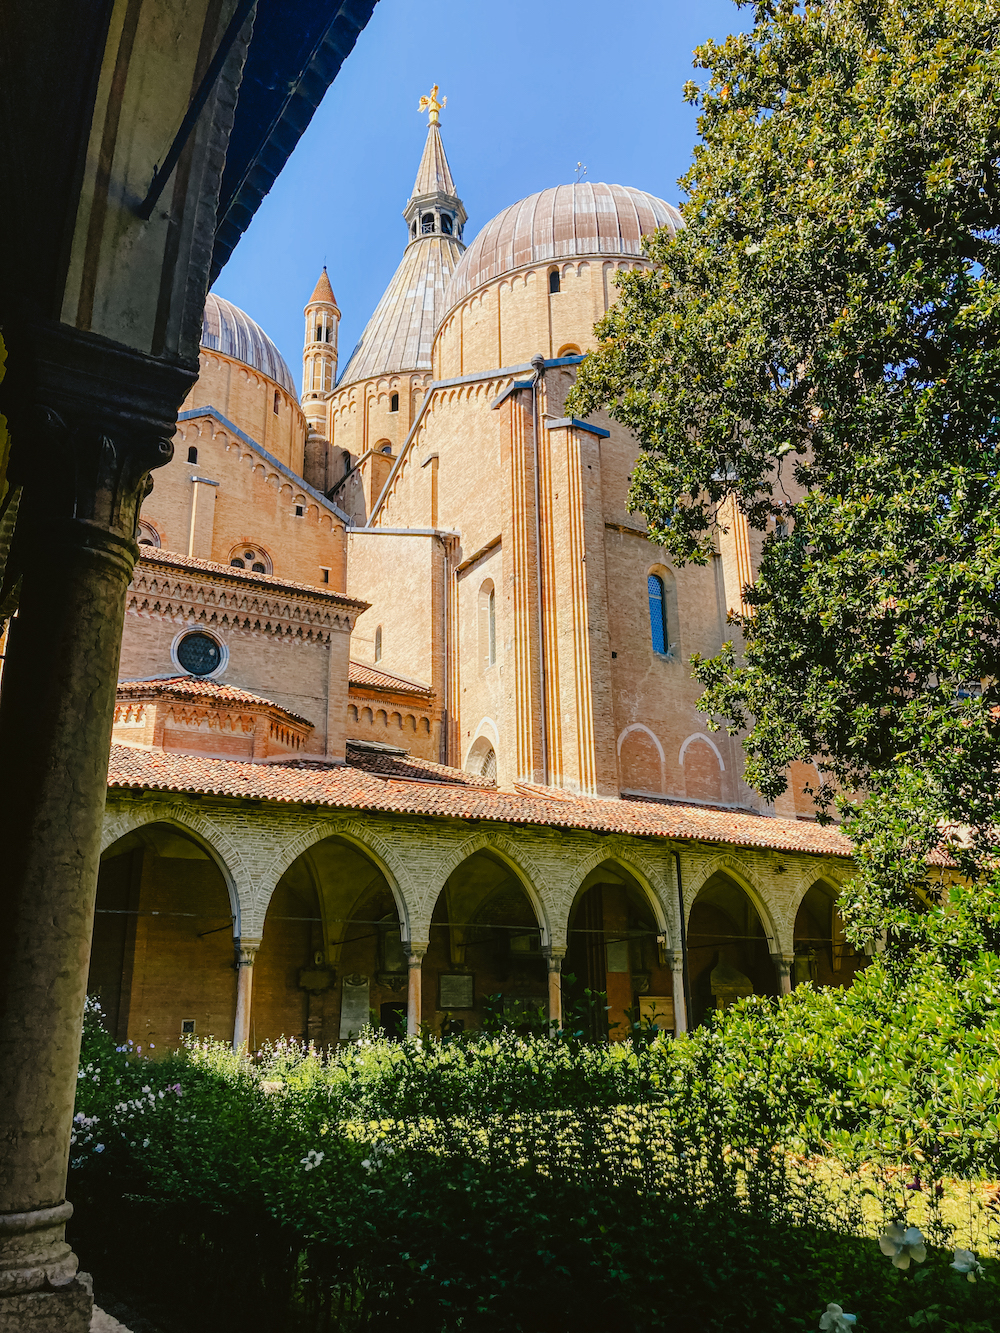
{"points": [[533, 87]]}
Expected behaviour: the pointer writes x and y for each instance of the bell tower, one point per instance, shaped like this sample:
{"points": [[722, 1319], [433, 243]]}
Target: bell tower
{"points": [[319, 353]]}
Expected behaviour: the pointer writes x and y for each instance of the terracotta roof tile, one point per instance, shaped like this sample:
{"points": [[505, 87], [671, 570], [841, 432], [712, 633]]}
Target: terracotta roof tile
{"points": [[154, 555], [194, 687], [407, 767], [370, 678], [350, 786]]}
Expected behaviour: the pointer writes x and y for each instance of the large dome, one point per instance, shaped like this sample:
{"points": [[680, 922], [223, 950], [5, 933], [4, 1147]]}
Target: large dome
{"points": [[229, 330], [586, 218]]}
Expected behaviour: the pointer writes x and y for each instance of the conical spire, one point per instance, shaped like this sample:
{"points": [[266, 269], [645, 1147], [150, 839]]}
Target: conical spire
{"points": [[433, 174], [323, 291], [400, 333]]}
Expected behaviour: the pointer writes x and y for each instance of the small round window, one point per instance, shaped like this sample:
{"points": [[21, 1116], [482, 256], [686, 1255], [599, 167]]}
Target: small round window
{"points": [[199, 654]]}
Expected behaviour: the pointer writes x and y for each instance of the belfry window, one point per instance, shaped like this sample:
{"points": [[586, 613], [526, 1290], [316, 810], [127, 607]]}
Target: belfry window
{"points": [[657, 614], [446, 226], [553, 280], [427, 223], [394, 402], [492, 612], [192, 454]]}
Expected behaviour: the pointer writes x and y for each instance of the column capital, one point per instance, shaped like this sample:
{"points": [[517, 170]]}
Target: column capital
{"points": [[247, 947], [416, 951], [554, 955], [95, 421], [676, 959], [783, 961]]}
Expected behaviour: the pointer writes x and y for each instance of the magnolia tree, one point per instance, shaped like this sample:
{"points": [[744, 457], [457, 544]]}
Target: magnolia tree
{"points": [[820, 347]]}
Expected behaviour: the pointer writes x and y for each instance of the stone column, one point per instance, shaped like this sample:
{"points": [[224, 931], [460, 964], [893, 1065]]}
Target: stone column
{"points": [[554, 961], [783, 964], [680, 1000], [246, 954], [82, 450], [414, 988]]}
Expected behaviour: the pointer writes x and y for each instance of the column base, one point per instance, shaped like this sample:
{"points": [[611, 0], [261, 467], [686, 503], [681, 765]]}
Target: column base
{"points": [[67, 1309]]}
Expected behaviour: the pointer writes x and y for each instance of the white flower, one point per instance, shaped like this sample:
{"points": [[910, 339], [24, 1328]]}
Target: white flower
{"points": [[98, 1147], [367, 1164], [312, 1159], [835, 1320], [901, 1244], [967, 1263]]}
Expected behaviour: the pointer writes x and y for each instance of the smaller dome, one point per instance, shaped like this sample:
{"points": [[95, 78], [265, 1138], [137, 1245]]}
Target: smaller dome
{"points": [[563, 222], [229, 330]]}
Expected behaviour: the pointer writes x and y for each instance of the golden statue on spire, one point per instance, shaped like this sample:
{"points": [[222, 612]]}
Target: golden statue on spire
{"points": [[432, 105]]}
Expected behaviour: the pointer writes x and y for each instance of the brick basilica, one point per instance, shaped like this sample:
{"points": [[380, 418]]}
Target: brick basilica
{"points": [[404, 721]]}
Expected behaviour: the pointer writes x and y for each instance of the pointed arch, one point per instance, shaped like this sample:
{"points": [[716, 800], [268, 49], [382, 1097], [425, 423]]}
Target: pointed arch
{"points": [[522, 867], [747, 880], [660, 893], [377, 849], [222, 850]]}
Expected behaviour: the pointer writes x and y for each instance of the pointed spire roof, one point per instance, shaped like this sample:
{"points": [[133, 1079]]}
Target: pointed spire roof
{"points": [[433, 174], [323, 291], [400, 333]]}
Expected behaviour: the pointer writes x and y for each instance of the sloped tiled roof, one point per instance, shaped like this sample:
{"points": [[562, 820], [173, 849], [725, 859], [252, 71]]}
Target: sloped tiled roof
{"points": [[392, 789], [195, 687], [229, 330], [155, 555], [370, 678], [565, 221], [407, 767]]}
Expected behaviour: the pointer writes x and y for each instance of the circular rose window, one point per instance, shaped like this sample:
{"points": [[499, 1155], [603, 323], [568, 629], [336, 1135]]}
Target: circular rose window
{"points": [[199, 654]]}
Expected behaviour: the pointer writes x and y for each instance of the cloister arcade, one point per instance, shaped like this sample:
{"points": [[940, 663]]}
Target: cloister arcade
{"points": [[332, 921]]}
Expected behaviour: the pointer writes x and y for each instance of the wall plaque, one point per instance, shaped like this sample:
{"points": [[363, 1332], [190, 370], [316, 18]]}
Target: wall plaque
{"points": [[355, 1013], [457, 990]]}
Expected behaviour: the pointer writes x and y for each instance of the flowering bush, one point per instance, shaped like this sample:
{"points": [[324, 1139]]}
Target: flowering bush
{"points": [[739, 1179]]}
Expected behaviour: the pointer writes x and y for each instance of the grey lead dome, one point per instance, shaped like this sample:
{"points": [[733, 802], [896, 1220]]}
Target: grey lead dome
{"points": [[229, 330], [565, 221]]}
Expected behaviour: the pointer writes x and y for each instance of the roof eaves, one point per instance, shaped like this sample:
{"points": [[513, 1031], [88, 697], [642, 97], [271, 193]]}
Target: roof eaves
{"points": [[286, 471]]}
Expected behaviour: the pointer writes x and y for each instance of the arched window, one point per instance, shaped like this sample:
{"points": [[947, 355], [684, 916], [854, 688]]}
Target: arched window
{"points": [[657, 613], [394, 402], [277, 400], [250, 557], [553, 280], [347, 462], [378, 644], [446, 224], [427, 223], [664, 623], [319, 333], [487, 625], [387, 448], [192, 454], [147, 534]]}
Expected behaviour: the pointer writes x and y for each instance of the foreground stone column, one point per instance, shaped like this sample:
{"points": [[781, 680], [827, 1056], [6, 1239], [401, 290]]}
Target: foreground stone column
{"points": [[82, 456], [783, 964], [414, 988], [680, 999], [246, 956], [554, 961]]}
